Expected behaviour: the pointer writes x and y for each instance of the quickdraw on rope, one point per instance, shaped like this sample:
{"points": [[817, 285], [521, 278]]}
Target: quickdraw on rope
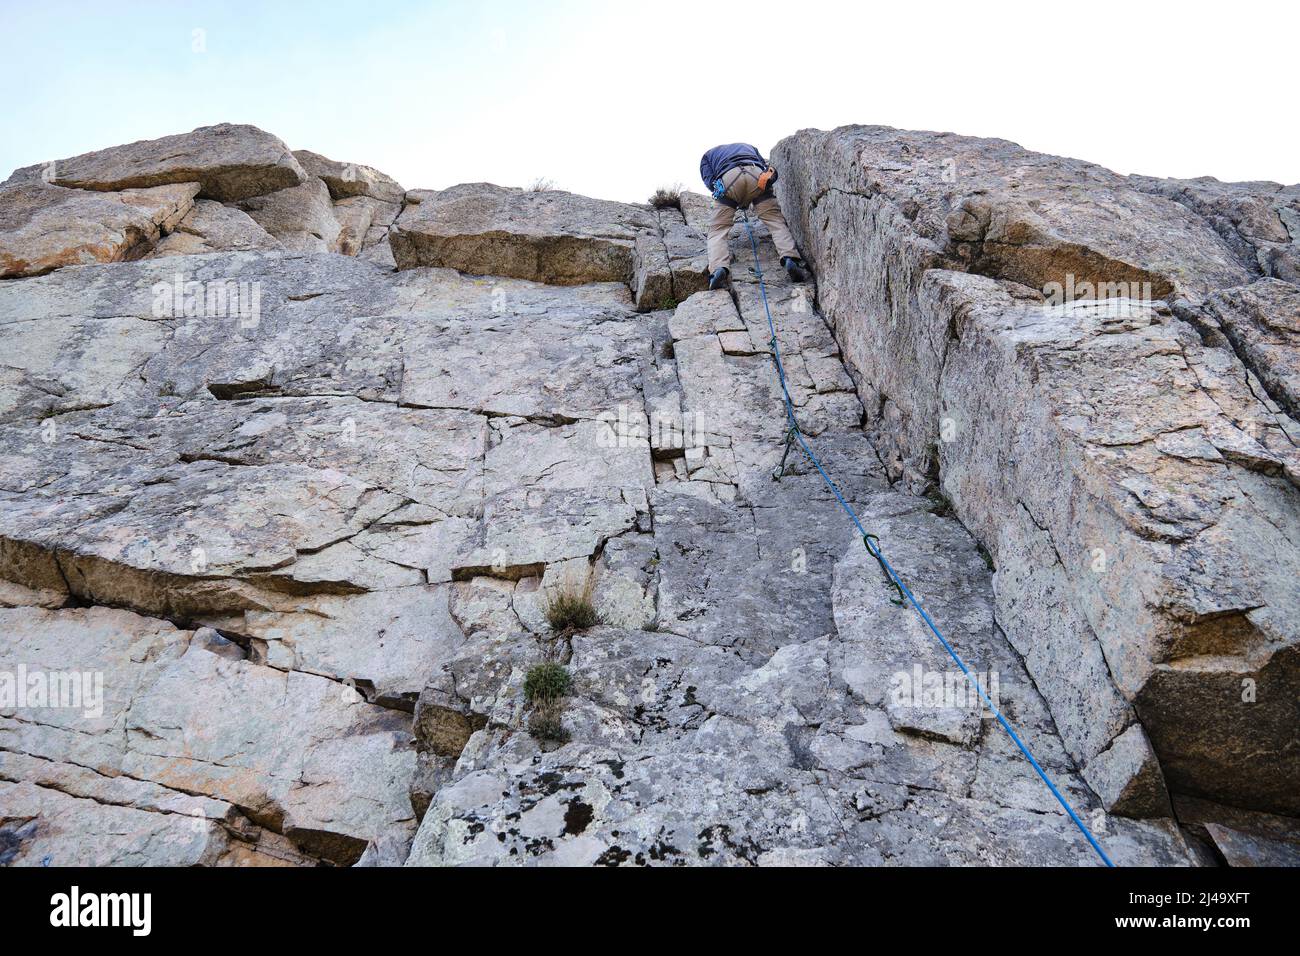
{"points": [[867, 540], [779, 471], [872, 543]]}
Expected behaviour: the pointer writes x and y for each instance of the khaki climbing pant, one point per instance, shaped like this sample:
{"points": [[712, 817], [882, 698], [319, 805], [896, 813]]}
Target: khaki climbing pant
{"points": [[742, 189]]}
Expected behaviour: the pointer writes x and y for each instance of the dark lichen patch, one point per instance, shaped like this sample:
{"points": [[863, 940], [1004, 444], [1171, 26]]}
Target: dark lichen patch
{"points": [[797, 739], [720, 833], [539, 846], [577, 817], [549, 782], [661, 852], [614, 856]]}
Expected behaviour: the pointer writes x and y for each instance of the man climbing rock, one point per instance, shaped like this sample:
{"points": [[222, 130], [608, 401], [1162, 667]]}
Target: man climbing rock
{"points": [[739, 177]]}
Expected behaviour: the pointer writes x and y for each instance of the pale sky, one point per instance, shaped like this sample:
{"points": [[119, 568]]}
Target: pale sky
{"points": [[613, 98]]}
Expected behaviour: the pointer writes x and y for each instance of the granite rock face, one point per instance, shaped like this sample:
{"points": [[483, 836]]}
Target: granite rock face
{"points": [[1098, 373], [285, 507]]}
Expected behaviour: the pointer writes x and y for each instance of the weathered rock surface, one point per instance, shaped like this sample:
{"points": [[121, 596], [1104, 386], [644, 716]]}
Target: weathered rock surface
{"points": [[350, 180], [554, 237], [548, 236], [1123, 450], [300, 217], [1261, 322], [303, 514], [187, 759], [1260, 222], [1240, 837], [212, 227], [363, 223], [45, 227]]}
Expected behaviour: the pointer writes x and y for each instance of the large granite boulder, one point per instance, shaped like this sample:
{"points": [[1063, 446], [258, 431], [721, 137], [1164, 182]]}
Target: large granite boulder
{"points": [[212, 227], [43, 227], [228, 162], [555, 237], [350, 180], [301, 218], [547, 236]]}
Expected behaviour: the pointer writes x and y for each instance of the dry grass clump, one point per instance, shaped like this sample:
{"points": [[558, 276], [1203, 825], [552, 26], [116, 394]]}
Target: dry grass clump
{"points": [[667, 197], [570, 607]]}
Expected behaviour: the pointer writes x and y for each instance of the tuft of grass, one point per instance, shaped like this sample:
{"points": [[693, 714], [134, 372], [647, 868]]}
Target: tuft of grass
{"points": [[546, 722], [570, 607], [546, 682], [544, 689], [667, 303], [541, 185], [667, 197]]}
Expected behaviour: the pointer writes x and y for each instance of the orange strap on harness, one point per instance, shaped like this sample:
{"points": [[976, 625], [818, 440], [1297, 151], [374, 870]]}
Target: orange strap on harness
{"points": [[766, 179]]}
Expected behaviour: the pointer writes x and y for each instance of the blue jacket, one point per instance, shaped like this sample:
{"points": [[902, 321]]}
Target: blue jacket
{"points": [[720, 159]]}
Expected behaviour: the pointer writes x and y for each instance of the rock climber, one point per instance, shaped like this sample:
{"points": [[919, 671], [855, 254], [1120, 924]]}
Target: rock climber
{"points": [[739, 177]]}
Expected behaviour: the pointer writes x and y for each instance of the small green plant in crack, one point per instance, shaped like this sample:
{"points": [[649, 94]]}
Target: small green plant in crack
{"points": [[570, 607], [544, 688], [546, 682], [666, 304]]}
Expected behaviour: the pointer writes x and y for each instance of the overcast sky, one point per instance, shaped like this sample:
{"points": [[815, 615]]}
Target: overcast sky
{"points": [[613, 99]]}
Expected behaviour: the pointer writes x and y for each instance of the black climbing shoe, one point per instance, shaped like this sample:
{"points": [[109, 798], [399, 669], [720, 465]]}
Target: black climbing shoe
{"points": [[795, 269], [720, 279]]}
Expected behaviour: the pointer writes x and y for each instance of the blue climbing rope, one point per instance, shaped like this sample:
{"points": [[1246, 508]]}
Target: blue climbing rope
{"points": [[894, 579]]}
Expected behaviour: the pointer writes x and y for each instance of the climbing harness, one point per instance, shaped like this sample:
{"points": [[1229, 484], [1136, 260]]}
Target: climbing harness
{"points": [[872, 544]]}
